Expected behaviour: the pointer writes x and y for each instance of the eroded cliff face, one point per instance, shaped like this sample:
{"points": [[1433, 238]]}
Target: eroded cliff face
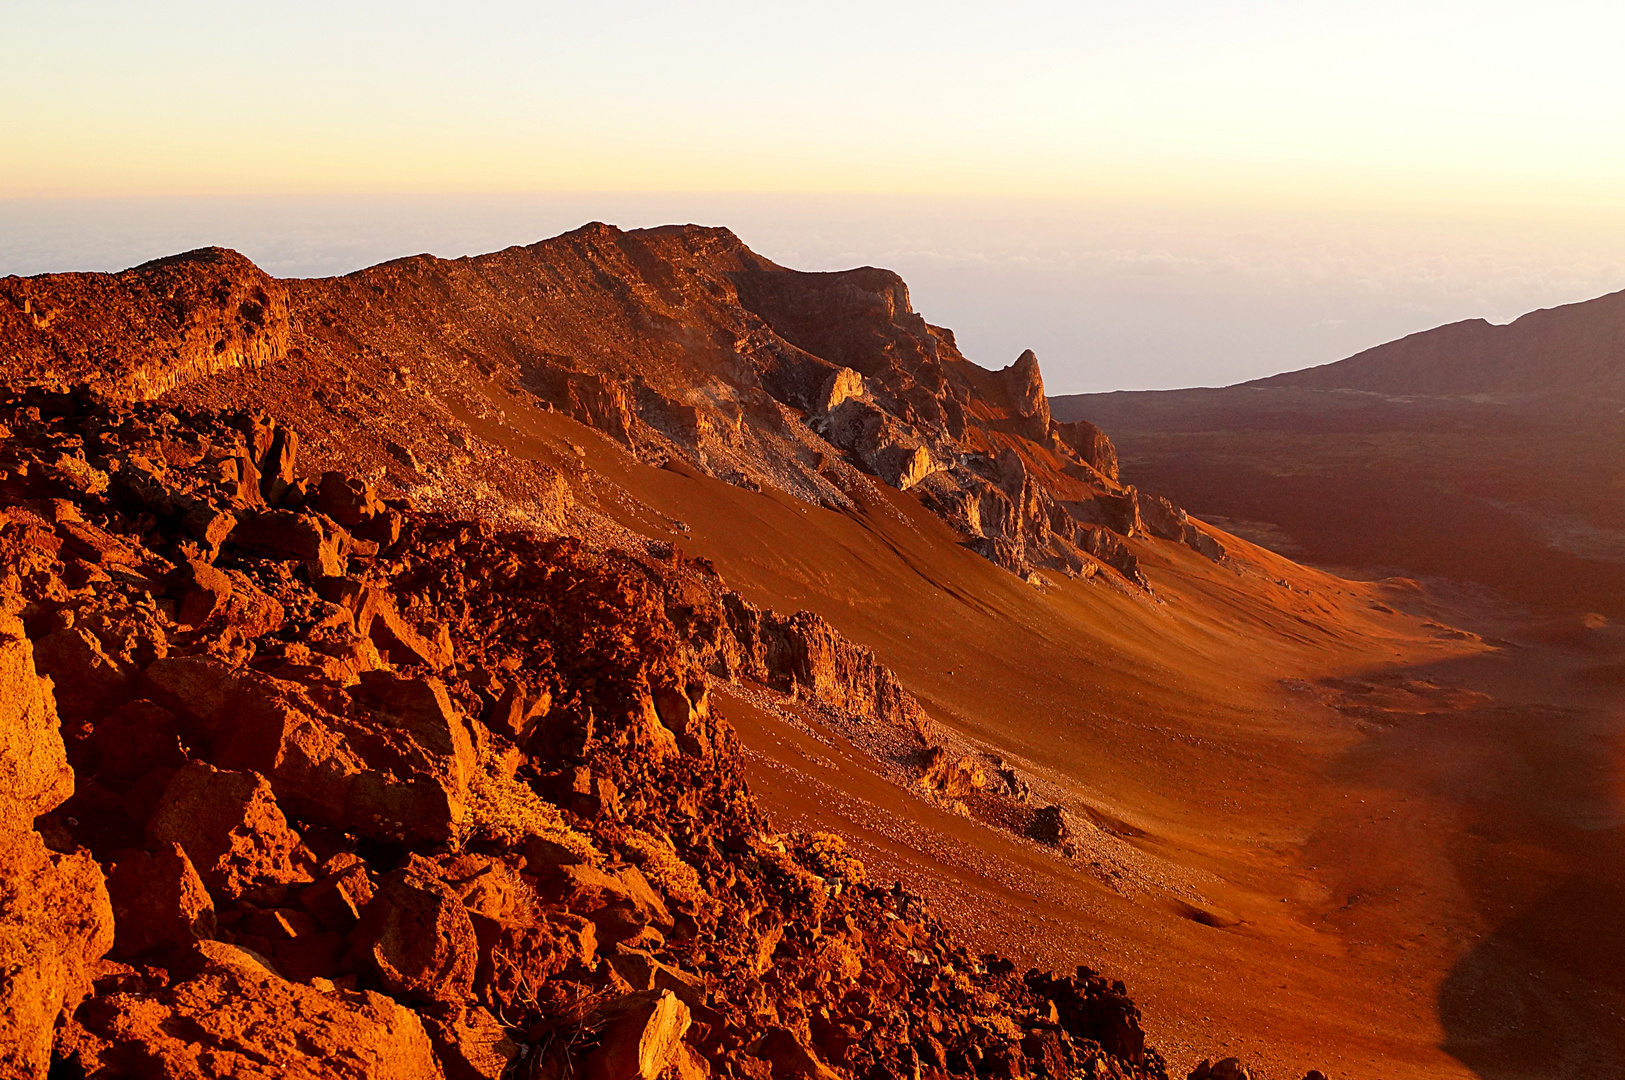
{"points": [[676, 342]]}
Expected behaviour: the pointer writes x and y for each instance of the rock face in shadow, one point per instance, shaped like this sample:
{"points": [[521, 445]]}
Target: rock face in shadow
{"points": [[422, 797]]}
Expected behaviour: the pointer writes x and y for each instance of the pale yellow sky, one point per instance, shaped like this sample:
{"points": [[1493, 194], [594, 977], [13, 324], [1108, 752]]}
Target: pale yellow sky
{"points": [[1148, 194], [1338, 105]]}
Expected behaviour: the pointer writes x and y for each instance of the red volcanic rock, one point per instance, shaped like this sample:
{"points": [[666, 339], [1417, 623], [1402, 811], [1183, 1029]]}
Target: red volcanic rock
{"points": [[471, 1044], [159, 902], [237, 1019], [790, 1058], [288, 534], [1224, 1069], [129, 743], [55, 919], [55, 922], [641, 1036], [1091, 444], [90, 680], [351, 503], [777, 379], [949, 776], [230, 827], [34, 773], [199, 590], [415, 937], [337, 900]]}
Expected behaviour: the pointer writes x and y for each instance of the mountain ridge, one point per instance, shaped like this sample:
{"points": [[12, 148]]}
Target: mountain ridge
{"points": [[1571, 351]]}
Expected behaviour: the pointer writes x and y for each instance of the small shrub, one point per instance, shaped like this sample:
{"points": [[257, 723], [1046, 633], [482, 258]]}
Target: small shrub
{"points": [[659, 861], [825, 854], [507, 811]]}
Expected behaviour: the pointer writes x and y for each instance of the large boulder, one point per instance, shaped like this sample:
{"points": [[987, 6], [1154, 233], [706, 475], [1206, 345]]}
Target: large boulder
{"points": [[34, 773], [159, 902], [470, 1043], [790, 1058], [55, 920], [395, 767], [88, 680], [415, 937], [641, 1036], [231, 829], [135, 739], [236, 1019], [55, 923]]}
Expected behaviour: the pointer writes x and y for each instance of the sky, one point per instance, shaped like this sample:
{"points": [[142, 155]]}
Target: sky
{"points": [[1147, 195]]}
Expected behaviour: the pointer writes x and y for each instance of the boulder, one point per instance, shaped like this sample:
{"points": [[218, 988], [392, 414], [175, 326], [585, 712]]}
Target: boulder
{"points": [[349, 502], [517, 711], [34, 773], [790, 1058], [230, 827], [377, 616], [1050, 826], [397, 770], [337, 900], [415, 937], [136, 738], [237, 1019], [55, 923], [249, 610], [310, 539], [641, 1036], [1225, 1069], [470, 1043], [276, 470], [159, 903], [422, 708], [200, 591], [88, 681], [590, 891]]}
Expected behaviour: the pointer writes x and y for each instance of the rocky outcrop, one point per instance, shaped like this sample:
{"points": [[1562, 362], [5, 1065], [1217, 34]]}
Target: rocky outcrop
{"points": [[949, 776], [142, 332], [444, 800]]}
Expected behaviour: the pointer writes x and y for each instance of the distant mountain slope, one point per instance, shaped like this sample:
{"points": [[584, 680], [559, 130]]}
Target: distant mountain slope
{"points": [[1479, 453], [1574, 351]]}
